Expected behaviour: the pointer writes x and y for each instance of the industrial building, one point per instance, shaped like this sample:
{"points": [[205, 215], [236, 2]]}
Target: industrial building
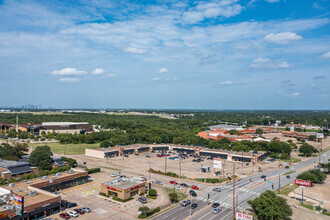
{"points": [[125, 188], [62, 127], [37, 197]]}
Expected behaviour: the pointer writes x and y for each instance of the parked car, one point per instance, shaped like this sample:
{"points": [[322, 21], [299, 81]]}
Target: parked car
{"points": [[173, 182], [178, 187], [216, 210], [160, 155], [217, 189], [171, 158], [183, 185], [137, 154], [287, 167], [71, 204], [159, 182], [195, 187], [185, 203], [86, 209], [218, 173], [288, 176], [126, 155], [194, 160], [148, 156], [114, 174], [73, 214], [193, 206], [192, 193], [263, 176], [122, 176], [215, 205], [142, 199], [80, 211], [65, 215]]}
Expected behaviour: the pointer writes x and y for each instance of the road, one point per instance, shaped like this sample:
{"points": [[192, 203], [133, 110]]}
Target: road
{"points": [[245, 190]]}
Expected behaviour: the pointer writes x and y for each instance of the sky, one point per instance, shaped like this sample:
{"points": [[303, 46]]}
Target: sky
{"points": [[222, 54]]}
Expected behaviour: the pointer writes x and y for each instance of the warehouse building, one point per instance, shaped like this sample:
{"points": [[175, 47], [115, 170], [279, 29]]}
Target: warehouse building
{"points": [[62, 127]]}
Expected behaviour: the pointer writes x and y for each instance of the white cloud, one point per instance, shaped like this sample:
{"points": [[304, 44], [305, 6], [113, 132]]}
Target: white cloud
{"points": [[134, 50], [98, 71], [272, 1], [109, 75], [226, 83], [266, 63], [70, 79], [68, 72], [282, 38], [192, 17], [326, 55], [295, 94], [163, 70], [317, 6], [157, 79]]}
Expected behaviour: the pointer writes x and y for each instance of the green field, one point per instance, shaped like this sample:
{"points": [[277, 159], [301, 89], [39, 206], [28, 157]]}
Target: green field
{"points": [[69, 148]]}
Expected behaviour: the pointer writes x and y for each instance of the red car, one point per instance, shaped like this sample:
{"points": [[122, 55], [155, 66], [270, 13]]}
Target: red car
{"points": [[195, 187], [160, 155], [65, 215], [186, 156], [79, 211], [173, 182]]}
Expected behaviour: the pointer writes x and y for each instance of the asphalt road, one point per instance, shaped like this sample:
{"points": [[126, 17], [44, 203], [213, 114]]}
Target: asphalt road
{"points": [[246, 189]]}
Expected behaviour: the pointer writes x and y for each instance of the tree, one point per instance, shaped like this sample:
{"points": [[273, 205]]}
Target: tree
{"points": [[173, 197], [40, 157], [259, 131], [315, 176], [8, 152], [72, 162], [152, 192], [307, 149], [270, 206]]}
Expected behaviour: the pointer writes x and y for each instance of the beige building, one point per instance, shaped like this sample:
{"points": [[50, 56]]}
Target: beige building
{"points": [[125, 188]]}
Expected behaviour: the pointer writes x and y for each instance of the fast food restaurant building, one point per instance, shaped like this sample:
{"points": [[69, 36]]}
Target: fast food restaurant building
{"points": [[124, 189]]}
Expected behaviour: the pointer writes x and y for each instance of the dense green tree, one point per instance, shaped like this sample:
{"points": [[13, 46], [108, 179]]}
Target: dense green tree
{"points": [[72, 162], [259, 131], [8, 152], [307, 149], [315, 176], [173, 197], [270, 206], [40, 157]]}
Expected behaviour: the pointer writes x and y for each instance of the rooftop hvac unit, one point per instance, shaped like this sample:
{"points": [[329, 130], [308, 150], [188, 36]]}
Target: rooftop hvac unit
{"points": [[58, 174], [12, 185], [45, 177], [32, 193], [70, 171]]}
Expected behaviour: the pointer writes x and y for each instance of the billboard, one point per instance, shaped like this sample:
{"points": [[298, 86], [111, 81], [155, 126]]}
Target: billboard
{"points": [[242, 216], [319, 135], [217, 164], [303, 182]]}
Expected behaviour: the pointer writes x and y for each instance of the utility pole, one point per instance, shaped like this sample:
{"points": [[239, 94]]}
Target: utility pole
{"points": [[149, 170], [234, 210], [279, 182], [180, 168], [165, 163], [320, 155]]}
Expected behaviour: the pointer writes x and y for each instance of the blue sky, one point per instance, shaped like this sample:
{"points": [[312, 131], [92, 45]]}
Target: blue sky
{"points": [[225, 54]]}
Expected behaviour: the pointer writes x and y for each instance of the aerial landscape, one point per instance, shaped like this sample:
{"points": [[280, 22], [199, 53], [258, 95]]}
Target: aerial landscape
{"points": [[164, 109]]}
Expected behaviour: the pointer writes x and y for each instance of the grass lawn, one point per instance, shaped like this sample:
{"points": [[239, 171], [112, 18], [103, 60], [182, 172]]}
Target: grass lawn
{"points": [[292, 160], [181, 195], [69, 148], [287, 189], [288, 173]]}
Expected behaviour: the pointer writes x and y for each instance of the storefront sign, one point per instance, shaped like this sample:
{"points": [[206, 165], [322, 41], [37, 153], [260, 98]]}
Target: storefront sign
{"points": [[242, 216], [303, 182], [19, 204], [217, 164]]}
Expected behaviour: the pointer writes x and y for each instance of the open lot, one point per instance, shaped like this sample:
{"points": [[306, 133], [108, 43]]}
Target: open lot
{"points": [[68, 149]]}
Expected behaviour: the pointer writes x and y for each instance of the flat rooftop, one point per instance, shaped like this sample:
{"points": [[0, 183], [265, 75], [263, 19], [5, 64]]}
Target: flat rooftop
{"points": [[126, 183]]}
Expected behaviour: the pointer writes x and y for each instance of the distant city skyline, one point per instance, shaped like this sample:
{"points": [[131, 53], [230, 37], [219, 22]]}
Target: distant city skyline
{"points": [[224, 54]]}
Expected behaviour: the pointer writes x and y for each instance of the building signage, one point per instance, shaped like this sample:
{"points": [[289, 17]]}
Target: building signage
{"points": [[319, 135], [242, 216], [217, 164], [19, 204], [303, 182]]}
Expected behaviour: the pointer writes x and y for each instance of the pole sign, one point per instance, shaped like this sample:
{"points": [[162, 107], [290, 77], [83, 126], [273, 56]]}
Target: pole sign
{"points": [[217, 163], [319, 135], [242, 216], [19, 204], [303, 182]]}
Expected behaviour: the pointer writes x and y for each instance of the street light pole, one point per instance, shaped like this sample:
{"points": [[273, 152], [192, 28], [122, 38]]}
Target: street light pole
{"points": [[234, 192]]}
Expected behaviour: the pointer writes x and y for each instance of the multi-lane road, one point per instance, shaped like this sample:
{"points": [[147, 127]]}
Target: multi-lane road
{"points": [[245, 189]]}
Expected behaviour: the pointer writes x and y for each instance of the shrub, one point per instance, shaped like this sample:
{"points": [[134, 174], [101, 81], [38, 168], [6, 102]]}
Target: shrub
{"points": [[93, 170], [121, 200], [152, 192]]}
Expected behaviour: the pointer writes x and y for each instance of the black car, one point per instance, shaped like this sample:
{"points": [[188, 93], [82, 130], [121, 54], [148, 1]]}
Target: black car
{"points": [[194, 160], [70, 205], [192, 193], [136, 154], [287, 167], [215, 205], [193, 206], [126, 156], [148, 156], [183, 185], [263, 176], [288, 176]]}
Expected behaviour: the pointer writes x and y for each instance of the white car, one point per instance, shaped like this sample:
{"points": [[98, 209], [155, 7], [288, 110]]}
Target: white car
{"points": [[114, 174], [86, 209], [73, 214], [216, 210], [178, 187]]}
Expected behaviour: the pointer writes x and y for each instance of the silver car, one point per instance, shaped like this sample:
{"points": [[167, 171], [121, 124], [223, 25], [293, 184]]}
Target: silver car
{"points": [[216, 210]]}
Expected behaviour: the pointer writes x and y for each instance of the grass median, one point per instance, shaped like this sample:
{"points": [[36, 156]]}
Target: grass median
{"points": [[68, 149]]}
